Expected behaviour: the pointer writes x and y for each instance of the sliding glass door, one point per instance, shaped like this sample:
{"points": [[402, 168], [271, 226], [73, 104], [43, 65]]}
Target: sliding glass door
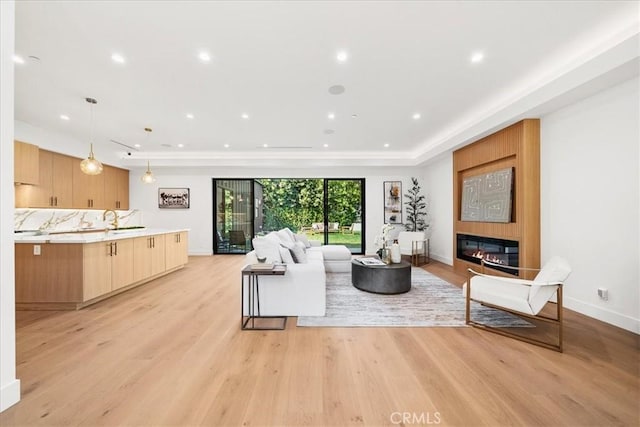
{"points": [[234, 212], [328, 210], [344, 200]]}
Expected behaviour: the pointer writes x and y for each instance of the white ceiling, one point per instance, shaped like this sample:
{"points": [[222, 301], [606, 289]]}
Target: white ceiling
{"points": [[276, 61]]}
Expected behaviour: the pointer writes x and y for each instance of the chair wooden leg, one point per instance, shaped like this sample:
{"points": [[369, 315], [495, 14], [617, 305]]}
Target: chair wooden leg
{"points": [[560, 322], [468, 300]]}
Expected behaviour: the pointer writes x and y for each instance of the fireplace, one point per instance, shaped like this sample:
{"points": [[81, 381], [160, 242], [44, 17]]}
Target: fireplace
{"points": [[498, 251]]}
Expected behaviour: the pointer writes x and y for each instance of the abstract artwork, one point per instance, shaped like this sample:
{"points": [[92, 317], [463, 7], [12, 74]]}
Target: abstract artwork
{"points": [[487, 197], [393, 202]]}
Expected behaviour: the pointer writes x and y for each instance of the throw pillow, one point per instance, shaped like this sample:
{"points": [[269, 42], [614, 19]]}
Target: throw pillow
{"points": [[285, 254], [267, 248], [284, 236], [304, 239], [298, 251]]}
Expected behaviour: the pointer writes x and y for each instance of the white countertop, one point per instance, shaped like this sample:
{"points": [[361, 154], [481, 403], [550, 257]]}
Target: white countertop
{"points": [[93, 236]]}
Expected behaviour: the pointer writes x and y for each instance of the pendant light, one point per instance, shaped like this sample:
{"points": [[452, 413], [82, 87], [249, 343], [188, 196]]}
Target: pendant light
{"points": [[90, 165], [148, 177]]}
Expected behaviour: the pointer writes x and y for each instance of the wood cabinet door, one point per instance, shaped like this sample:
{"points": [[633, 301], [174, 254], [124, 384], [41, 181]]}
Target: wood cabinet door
{"points": [[88, 190], [26, 159], [62, 180], [141, 258], [176, 245], [110, 187], [122, 264], [116, 188], [158, 264], [122, 186], [41, 195], [96, 275]]}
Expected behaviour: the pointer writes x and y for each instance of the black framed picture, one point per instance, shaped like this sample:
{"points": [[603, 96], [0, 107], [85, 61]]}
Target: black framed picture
{"points": [[393, 202], [173, 198]]}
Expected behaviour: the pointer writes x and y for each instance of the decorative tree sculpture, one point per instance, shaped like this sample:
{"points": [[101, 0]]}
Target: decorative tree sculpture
{"points": [[416, 208]]}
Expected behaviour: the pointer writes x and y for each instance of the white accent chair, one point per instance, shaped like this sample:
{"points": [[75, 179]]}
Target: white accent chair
{"points": [[524, 298], [414, 244]]}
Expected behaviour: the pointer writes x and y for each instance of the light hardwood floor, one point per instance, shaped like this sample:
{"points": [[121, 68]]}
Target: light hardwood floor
{"points": [[172, 353]]}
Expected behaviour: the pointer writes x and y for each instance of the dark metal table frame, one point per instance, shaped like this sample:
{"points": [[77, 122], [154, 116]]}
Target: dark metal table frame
{"points": [[253, 291]]}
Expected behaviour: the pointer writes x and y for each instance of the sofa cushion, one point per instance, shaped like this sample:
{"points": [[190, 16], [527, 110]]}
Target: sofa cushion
{"points": [[266, 247], [285, 254], [304, 239], [335, 253], [286, 236], [298, 251]]}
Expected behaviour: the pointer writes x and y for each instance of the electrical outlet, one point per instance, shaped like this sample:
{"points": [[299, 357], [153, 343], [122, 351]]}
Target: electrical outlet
{"points": [[603, 293], [36, 249]]}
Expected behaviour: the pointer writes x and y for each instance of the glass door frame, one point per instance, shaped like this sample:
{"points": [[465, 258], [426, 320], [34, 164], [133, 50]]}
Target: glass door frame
{"points": [[325, 207]]}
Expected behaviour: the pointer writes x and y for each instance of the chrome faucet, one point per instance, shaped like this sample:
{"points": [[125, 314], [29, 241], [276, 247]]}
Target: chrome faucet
{"points": [[115, 217]]}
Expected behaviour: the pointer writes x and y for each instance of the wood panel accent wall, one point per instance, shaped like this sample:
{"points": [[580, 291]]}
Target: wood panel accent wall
{"points": [[516, 146]]}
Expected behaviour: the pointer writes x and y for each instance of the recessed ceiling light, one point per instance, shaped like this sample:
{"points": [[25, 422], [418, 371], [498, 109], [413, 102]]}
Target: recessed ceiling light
{"points": [[180, 145], [325, 145], [342, 56], [116, 57], [386, 145], [64, 117], [354, 116], [245, 116], [416, 116], [226, 145], [189, 116], [166, 145], [18, 59], [331, 116], [204, 57], [137, 145], [336, 89], [477, 57], [329, 131], [265, 145]]}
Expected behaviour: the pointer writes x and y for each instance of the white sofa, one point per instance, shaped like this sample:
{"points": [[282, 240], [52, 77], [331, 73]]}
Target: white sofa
{"points": [[300, 292]]}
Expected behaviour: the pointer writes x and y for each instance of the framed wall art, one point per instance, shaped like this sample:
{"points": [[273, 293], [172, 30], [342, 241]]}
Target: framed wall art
{"points": [[393, 202], [173, 198]]}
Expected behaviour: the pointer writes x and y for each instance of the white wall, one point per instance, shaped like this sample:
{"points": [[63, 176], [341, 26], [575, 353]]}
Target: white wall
{"points": [[439, 190], [9, 385], [199, 217], [590, 196]]}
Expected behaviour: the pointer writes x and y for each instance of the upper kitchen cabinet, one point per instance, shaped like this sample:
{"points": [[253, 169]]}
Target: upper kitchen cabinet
{"points": [[25, 163], [54, 189], [116, 188], [88, 190]]}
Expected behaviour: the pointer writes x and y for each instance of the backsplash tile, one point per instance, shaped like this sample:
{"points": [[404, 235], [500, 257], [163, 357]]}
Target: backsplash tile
{"points": [[61, 220]]}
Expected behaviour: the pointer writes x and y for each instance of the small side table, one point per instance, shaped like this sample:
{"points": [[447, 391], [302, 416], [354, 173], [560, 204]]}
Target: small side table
{"points": [[417, 252], [248, 323]]}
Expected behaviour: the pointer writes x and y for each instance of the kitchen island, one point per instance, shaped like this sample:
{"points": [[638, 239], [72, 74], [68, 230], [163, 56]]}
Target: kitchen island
{"points": [[69, 271]]}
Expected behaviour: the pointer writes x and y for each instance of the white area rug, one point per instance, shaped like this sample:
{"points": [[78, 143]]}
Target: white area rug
{"points": [[430, 302]]}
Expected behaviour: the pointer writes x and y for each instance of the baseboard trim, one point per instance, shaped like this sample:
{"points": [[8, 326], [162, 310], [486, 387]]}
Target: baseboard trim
{"points": [[9, 395], [442, 259], [620, 320]]}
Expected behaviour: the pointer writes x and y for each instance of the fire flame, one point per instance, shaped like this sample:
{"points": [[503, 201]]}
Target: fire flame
{"points": [[487, 257]]}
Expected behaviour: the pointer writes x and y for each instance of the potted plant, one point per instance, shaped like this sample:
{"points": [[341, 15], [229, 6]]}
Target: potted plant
{"points": [[416, 208]]}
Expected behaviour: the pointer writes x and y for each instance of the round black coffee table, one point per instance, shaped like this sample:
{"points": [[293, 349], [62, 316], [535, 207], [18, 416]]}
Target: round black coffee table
{"points": [[381, 279]]}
